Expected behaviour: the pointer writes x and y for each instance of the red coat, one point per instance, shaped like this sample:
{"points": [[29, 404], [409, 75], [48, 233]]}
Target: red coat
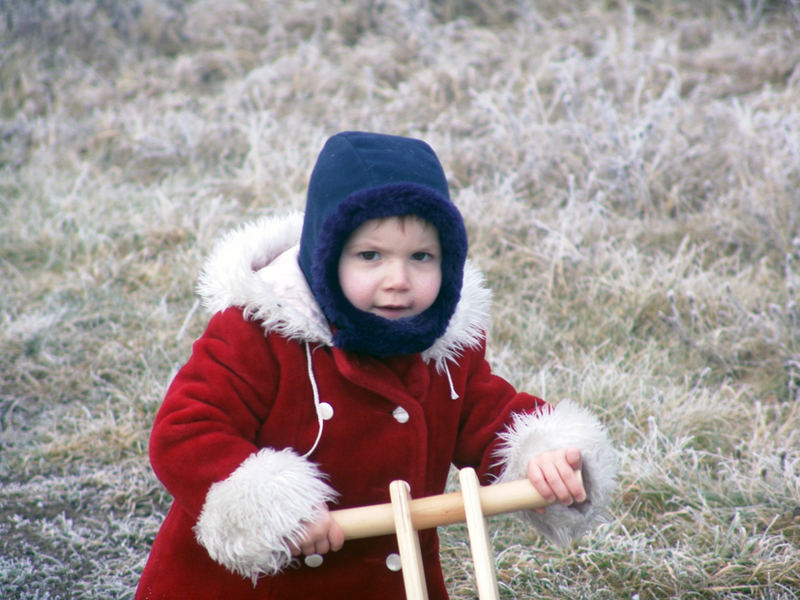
{"points": [[231, 438]]}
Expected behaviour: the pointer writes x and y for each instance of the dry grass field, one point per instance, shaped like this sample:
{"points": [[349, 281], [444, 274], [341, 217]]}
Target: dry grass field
{"points": [[629, 172]]}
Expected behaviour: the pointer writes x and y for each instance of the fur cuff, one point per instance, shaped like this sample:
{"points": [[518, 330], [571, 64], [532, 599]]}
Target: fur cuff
{"points": [[565, 425], [248, 518]]}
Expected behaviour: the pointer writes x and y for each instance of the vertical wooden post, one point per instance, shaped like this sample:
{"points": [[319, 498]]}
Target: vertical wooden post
{"points": [[408, 542], [480, 544]]}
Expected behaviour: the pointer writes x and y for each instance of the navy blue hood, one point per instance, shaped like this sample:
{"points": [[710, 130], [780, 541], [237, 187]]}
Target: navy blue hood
{"points": [[361, 176]]}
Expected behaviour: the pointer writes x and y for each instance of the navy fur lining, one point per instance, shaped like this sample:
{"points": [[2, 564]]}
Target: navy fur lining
{"points": [[360, 331]]}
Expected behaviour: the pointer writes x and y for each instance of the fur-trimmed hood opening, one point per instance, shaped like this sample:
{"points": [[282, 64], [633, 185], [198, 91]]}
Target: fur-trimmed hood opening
{"points": [[361, 176], [255, 267]]}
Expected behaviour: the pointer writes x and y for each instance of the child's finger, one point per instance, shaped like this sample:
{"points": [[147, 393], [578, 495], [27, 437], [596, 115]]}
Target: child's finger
{"points": [[573, 457], [335, 536], [320, 537], [312, 544], [548, 481], [572, 482], [555, 476], [539, 481]]}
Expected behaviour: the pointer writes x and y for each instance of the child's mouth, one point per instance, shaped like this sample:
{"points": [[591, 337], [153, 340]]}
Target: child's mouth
{"points": [[392, 312]]}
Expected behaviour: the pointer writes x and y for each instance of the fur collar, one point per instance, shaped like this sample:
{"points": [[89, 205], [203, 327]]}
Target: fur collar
{"points": [[255, 267]]}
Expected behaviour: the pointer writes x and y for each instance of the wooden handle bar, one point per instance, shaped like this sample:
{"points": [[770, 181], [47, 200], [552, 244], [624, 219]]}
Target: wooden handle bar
{"points": [[444, 509]]}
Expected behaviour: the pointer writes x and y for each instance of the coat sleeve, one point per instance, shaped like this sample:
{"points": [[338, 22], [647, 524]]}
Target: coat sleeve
{"points": [[523, 426], [247, 501]]}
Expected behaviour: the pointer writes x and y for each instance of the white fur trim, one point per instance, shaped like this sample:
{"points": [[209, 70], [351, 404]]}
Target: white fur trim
{"points": [[229, 275], [469, 323], [565, 425], [296, 314], [255, 267], [248, 519]]}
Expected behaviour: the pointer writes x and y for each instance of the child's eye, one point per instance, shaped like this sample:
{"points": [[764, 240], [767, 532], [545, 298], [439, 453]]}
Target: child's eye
{"points": [[422, 256], [369, 255]]}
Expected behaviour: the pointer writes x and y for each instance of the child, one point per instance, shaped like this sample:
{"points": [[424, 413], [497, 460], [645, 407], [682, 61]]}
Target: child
{"points": [[346, 350]]}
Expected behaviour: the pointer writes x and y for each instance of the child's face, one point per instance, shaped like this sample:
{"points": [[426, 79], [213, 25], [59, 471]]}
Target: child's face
{"points": [[392, 267]]}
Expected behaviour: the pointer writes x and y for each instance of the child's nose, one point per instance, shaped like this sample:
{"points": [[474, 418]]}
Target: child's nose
{"points": [[397, 275]]}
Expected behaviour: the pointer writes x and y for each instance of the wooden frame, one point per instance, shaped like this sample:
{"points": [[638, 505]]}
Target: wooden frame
{"points": [[405, 517]]}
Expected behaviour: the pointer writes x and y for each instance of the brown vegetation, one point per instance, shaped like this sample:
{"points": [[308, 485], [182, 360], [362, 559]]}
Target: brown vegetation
{"points": [[630, 176]]}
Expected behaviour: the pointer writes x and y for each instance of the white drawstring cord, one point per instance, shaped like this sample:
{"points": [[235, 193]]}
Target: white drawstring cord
{"points": [[453, 392], [320, 421], [316, 401]]}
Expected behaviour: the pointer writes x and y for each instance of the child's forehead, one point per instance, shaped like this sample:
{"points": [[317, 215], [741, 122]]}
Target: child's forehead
{"points": [[389, 228]]}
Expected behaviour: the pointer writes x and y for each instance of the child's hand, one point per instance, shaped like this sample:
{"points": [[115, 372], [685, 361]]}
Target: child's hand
{"points": [[553, 476], [321, 535]]}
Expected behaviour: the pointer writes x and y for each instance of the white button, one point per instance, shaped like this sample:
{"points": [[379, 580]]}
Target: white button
{"points": [[393, 562], [400, 415], [325, 411], [313, 560]]}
